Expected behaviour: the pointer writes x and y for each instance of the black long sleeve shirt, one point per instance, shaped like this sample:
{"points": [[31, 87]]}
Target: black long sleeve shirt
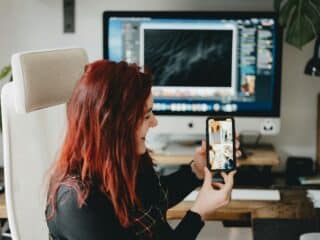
{"points": [[96, 219]]}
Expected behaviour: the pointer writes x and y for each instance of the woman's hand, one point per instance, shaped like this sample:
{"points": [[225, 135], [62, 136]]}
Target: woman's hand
{"points": [[200, 161], [238, 152], [200, 158], [210, 199]]}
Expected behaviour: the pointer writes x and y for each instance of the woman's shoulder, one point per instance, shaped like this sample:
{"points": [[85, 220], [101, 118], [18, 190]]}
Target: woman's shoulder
{"points": [[96, 214], [67, 197]]}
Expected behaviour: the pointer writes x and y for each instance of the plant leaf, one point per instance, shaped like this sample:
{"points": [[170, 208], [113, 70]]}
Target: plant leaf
{"points": [[316, 3], [276, 5], [286, 11], [313, 13], [300, 30], [5, 71]]}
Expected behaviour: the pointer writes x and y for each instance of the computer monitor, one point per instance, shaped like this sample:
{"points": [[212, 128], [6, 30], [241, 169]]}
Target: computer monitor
{"points": [[204, 63]]}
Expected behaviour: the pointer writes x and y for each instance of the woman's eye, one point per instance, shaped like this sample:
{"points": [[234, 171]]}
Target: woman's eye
{"points": [[147, 117]]}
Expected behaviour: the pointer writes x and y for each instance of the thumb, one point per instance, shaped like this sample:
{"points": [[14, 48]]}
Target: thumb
{"points": [[207, 177], [203, 146]]}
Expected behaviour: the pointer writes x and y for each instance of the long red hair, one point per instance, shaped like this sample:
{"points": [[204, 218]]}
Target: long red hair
{"points": [[103, 114]]}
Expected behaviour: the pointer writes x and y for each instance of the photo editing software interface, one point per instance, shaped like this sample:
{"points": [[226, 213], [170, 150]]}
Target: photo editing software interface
{"points": [[220, 144], [201, 66]]}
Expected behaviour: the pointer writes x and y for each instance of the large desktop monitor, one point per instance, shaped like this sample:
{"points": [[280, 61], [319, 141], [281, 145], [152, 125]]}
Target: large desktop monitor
{"points": [[204, 63]]}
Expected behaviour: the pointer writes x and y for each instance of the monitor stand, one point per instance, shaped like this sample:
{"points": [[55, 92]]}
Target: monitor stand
{"points": [[249, 142], [174, 145]]}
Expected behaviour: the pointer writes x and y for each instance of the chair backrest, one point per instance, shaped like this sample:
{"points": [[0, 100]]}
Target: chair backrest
{"points": [[42, 81]]}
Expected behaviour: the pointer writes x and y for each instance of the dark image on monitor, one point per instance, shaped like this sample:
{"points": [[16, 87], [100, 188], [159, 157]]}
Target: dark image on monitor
{"points": [[180, 57]]}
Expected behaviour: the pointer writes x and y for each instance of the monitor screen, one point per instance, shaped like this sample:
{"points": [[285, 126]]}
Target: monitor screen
{"points": [[204, 63]]}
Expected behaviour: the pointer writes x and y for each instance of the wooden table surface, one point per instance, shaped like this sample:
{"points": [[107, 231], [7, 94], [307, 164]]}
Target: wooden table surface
{"points": [[3, 210], [293, 205]]}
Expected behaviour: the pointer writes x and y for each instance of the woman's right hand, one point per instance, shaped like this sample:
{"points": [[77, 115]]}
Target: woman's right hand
{"points": [[209, 199]]}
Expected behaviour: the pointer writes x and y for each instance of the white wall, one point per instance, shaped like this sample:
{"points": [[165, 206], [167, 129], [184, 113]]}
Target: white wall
{"points": [[36, 24]]}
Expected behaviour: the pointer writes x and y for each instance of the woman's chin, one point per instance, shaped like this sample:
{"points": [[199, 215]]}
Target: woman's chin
{"points": [[142, 151]]}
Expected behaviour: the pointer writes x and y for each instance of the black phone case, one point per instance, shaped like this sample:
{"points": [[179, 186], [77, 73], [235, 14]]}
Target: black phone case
{"points": [[221, 118]]}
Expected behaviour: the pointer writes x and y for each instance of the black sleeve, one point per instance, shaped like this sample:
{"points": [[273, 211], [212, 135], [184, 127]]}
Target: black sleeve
{"points": [[149, 222], [188, 228], [180, 184], [93, 221]]}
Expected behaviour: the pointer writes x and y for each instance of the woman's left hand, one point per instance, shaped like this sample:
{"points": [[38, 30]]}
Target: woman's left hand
{"points": [[199, 161], [200, 158]]}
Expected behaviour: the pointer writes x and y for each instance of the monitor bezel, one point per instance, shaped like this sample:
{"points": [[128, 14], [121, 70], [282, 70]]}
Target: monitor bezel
{"points": [[275, 112]]}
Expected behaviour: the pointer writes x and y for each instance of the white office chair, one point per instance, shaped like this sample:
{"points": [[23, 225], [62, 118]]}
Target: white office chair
{"points": [[33, 116]]}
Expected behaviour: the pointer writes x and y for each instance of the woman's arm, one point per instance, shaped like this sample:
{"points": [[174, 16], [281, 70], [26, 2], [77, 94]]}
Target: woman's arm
{"points": [[95, 220], [208, 201], [187, 229], [179, 184], [152, 224], [182, 182]]}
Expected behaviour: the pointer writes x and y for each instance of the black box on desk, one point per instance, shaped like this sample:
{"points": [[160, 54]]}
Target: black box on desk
{"points": [[298, 167], [253, 176]]}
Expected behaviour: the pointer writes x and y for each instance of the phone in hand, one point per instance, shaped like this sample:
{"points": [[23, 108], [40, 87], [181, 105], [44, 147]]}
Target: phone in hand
{"points": [[220, 136]]}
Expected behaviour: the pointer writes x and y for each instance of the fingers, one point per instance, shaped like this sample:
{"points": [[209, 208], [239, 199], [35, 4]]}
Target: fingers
{"points": [[207, 177], [198, 150], [237, 144], [228, 179], [238, 153], [224, 176], [231, 179], [217, 185], [203, 146], [231, 174], [237, 135]]}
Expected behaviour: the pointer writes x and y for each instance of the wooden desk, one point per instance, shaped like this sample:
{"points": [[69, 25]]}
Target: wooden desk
{"points": [[293, 205], [3, 210], [256, 157], [285, 219], [294, 211]]}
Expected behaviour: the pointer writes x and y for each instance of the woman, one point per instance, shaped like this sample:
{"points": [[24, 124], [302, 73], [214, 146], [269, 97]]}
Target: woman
{"points": [[103, 185]]}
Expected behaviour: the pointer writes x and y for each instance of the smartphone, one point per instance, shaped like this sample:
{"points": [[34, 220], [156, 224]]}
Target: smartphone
{"points": [[220, 136]]}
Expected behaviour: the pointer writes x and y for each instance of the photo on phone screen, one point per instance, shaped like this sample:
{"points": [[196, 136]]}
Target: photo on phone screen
{"points": [[220, 144]]}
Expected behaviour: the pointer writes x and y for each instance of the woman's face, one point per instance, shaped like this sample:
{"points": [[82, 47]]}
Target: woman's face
{"points": [[148, 121]]}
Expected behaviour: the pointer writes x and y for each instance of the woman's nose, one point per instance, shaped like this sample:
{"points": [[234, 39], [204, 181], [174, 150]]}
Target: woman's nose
{"points": [[154, 122]]}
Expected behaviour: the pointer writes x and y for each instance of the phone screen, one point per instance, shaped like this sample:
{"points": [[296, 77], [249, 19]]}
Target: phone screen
{"points": [[220, 144]]}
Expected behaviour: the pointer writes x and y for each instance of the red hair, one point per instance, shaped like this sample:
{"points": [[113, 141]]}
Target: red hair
{"points": [[103, 114]]}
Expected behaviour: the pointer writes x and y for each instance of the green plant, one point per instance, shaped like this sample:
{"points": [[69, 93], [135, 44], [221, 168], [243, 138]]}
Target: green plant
{"points": [[5, 71], [301, 18]]}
